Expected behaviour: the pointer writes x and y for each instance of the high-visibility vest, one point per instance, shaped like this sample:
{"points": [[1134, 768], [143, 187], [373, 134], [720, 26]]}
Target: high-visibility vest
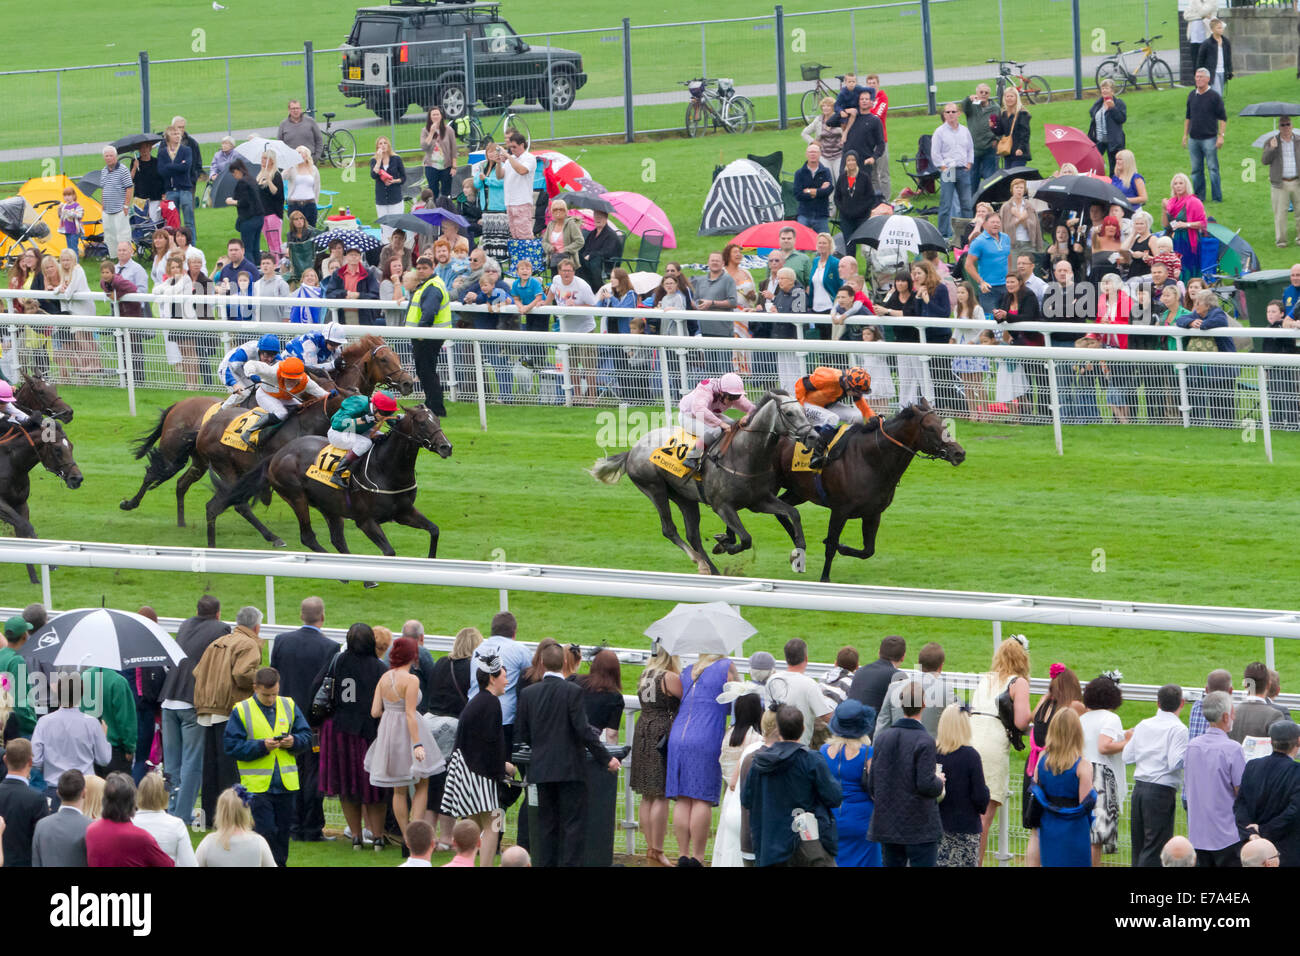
{"points": [[444, 311], [256, 774]]}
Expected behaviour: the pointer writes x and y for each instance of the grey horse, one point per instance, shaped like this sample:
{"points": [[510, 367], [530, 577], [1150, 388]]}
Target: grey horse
{"points": [[740, 477]]}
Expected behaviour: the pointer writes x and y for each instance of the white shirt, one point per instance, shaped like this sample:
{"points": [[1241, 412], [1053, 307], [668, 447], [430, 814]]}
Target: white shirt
{"points": [[171, 833], [576, 292], [821, 300], [1287, 150], [414, 862], [951, 147], [800, 690], [1157, 747], [518, 187], [1098, 722], [1037, 286]]}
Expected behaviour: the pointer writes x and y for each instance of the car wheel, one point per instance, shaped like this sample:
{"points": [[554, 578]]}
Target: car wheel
{"points": [[388, 110], [561, 91], [453, 100]]}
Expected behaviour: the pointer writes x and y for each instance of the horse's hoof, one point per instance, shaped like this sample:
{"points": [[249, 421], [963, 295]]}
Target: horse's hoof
{"points": [[369, 584], [181, 523], [126, 505], [277, 542], [798, 561], [719, 548]]}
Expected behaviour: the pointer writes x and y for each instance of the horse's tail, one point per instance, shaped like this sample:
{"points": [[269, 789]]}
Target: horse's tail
{"points": [[246, 489], [144, 444], [610, 469]]}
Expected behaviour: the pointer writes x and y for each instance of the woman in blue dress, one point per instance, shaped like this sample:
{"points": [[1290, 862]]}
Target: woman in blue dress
{"points": [[1064, 794], [694, 745], [848, 754]]}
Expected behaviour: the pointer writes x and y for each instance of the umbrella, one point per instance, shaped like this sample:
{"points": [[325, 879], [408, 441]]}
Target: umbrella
{"points": [[1271, 108], [1075, 191], [713, 628], [1069, 145], [587, 184], [641, 215], [286, 157], [565, 170], [1262, 140], [408, 223], [129, 144], [349, 237], [222, 188], [1236, 256], [902, 232], [103, 637], [997, 188], [91, 182], [583, 200], [768, 236], [644, 283], [436, 216]]}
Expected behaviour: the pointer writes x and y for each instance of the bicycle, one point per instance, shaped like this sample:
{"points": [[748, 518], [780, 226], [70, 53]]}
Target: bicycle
{"points": [[810, 104], [340, 148], [1113, 68], [733, 112], [470, 128], [1031, 87]]}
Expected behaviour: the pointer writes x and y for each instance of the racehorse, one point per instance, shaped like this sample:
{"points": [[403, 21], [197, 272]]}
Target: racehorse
{"points": [[736, 473], [860, 480], [364, 364], [38, 395], [382, 487], [20, 451]]}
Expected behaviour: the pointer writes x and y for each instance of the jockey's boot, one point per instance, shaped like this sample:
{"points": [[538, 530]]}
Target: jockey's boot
{"points": [[695, 456], [337, 479], [826, 433], [255, 425]]}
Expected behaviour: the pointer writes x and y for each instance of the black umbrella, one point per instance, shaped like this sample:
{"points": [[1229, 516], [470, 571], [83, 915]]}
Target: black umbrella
{"points": [[1075, 191], [586, 200], [129, 144], [1271, 108], [997, 188], [103, 637], [408, 223], [222, 188], [91, 182], [904, 232]]}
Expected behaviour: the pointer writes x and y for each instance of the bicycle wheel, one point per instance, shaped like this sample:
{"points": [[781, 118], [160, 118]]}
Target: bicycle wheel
{"points": [[1160, 75], [1035, 89], [694, 118], [513, 121], [809, 106], [474, 140], [738, 115], [341, 148], [1111, 70]]}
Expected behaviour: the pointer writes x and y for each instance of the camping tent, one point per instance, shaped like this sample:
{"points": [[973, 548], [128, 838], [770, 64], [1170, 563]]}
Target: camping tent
{"points": [[744, 194], [44, 189]]}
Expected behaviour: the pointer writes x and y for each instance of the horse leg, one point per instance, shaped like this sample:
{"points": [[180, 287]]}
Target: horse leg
{"points": [[302, 510], [691, 518], [245, 511], [414, 519], [833, 530], [732, 520], [183, 485], [870, 525], [18, 517], [370, 528], [793, 524], [659, 496]]}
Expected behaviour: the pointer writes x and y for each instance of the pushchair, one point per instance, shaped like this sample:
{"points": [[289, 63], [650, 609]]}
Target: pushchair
{"points": [[18, 222], [142, 230], [924, 178]]}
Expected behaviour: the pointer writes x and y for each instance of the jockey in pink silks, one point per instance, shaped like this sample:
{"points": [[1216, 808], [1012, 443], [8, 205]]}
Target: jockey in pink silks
{"points": [[700, 411]]}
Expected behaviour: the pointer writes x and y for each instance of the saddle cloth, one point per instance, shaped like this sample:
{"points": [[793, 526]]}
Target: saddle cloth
{"points": [[802, 457], [231, 437], [322, 467], [671, 456]]}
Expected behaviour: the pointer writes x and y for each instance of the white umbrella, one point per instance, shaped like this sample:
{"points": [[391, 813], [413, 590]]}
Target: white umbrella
{"points": [[286, 157], [644, 283], [713, 628], [104, 637]]}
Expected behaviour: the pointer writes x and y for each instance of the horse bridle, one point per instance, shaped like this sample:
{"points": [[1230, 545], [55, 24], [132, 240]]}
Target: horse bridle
{"points": [[907, 448], [772, 431], [388, 379], [426, 445]]}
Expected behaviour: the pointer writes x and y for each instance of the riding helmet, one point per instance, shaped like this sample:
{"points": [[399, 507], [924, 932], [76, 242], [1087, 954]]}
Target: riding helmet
{"points": [[857, 379], [6, 391], [334, 333], [731, 384], [270, 342], [383, 402], [291, 368]]}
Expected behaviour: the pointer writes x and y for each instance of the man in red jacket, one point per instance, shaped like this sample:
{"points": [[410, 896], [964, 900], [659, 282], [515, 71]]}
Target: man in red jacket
{"points": [[879, 107]]}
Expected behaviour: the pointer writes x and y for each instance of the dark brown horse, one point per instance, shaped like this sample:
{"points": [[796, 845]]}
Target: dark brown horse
{"points": [[38, 395], [364, 364], [21, 450], [859, 481], [382, 487]]}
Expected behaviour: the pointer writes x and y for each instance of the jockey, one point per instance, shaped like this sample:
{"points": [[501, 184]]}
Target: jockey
{"points": [[354, 425], [824, 388], [700, 411], [280, 387], [231, 370], [319, 350], [9, 412]]}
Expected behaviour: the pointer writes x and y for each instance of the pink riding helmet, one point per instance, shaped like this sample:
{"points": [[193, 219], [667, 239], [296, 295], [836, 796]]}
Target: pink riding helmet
{"points": [[6, 391], [731, 384]]}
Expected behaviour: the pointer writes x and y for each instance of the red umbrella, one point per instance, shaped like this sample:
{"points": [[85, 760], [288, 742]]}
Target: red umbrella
{"points": [[768, 236], [1069, 145], [566, 171]]}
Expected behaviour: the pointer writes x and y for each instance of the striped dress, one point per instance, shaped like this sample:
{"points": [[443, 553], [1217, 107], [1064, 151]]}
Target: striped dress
{"points": [[477, 765]]}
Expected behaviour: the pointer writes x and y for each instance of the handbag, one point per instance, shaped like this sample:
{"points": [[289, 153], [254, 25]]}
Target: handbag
{"points": [[1200, 343], [1004, 142], [1007, 714], [323, 703]]}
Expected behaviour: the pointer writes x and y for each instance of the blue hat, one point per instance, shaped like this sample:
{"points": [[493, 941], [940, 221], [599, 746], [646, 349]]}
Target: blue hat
{"points": [[852, 720], [270, 342]]}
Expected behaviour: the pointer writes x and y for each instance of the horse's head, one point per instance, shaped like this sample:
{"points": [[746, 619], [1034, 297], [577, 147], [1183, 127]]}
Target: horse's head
{"points": [[787, 416], [380, 364], [422, 426], [927, 434], [55, 453], [42, 396]]}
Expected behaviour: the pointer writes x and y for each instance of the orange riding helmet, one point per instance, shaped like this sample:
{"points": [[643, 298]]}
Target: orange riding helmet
{"points": [[291, 369], [857, 379]]}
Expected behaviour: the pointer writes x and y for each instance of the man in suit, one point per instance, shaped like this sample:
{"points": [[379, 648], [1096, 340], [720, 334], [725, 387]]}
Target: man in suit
{"points": [[21, 807], [414, 629], [1268, 803], [552, 720], [906, 786], [1255, 715], [871, 682], [60, 838], [299, 656]]}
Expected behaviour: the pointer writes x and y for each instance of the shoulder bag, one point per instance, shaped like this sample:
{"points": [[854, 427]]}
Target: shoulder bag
{"points": [[1007, 714], [324, 702], [1004, 142]]}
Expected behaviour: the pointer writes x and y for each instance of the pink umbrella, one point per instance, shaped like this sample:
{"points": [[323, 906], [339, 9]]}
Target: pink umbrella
{"points": [[640, 214], [566, 171], [1069, 145]]}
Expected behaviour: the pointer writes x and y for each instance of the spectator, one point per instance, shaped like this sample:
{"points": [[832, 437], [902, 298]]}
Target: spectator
{"points": [[221, 160], [1274, 690], [601, 247], [836, 682], [1020, 219], [871, 682], [981, 113], [746, 289], [788, 298], [298, 129], [60, 838], [715, 291], [1213, 770], [303, 195], [552, 722], [1106, 122], [854, 201], [1267, 807], [783, 778], [1215, 56], [270, 283], [744, 737], [465, 839], [395, 251], [988, 261], [1126, 178], [1178, 853], [247, 201], [568, 289], [178, 168], [1210, 382], [1063, 793], [66, 738], [113, 840], [906, 785], [952, 152], [694, 776], [515, 169], [562, 238], [233, 842], [1254, 715], [1203, 130], [222, 678], [117, 198], [21, 806], [798, 261], [1104, 738], [1063, 691], [938, 694], [848, 754], [792, 686], [602, 695], [992, 727], [1258, 851], [812, 190], [356, 282], [1282, 157], [444, 701], [864, 134], [1217, 680], [659, 689], [438, 146], [514, 658], [515, 856], [829, 139], [1013, 121], [12, 663], [172, 835], [879, 109], [966, 796], [419, 841]]}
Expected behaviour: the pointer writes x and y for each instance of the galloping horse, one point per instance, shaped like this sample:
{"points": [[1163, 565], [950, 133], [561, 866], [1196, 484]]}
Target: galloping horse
{"points": [[38, 395], [364, 364], [20, 451], [382, 487], [737, 473], [860, 481]]}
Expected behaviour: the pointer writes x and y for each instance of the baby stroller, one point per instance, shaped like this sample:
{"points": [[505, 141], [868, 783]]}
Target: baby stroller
{"points": [[924, 177], [142, 230], [19, 223]]}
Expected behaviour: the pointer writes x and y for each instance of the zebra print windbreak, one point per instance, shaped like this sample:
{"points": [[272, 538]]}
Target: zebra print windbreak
{"points": [[743, 195]]}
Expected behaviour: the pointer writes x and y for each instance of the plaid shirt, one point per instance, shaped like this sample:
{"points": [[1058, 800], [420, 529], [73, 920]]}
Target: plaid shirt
{"points": [[1196, 723]]}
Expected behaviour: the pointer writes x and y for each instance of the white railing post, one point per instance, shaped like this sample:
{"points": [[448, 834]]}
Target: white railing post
{"points": [[45, 587], [1054, 402], [1184, 402], [480, 381], [566, 374], [803, 356], [630, 821], [1004, 835], [450, 349], [270, 599], [1268, 653], [1264, 414], [662, 355], [128, 363], [997, 634]]}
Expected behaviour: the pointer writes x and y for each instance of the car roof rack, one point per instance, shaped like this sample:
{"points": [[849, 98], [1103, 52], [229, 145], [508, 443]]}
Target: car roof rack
{"points": [[445, 6]]}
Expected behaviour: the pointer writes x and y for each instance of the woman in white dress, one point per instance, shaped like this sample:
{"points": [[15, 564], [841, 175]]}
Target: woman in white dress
{"points": [[1104, 738], [742, 737], [151, 815], [881, 396], [970, 371], [1009, 674]]}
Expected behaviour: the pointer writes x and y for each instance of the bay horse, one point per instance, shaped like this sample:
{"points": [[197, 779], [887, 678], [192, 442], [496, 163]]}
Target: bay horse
{"points": [[21, 449], [36, 394], [363, 365], [382, 486], [735, 473], [860, 480]]}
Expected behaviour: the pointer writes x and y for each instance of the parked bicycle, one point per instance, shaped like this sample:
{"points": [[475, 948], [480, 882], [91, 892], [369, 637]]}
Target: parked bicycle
{"points": [[809, 105], [1031, 87], [340, 147], [1114, 68], [719, 106], [469, 129]]}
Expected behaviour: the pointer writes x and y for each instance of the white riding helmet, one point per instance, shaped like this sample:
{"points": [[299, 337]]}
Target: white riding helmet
{"points": [[334, 333]]}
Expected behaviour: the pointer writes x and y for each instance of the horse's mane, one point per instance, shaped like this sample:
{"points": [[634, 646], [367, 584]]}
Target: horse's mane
{"points": [[772, 395], [354, 350]]}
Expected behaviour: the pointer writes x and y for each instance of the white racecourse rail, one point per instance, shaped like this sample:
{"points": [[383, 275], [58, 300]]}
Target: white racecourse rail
{"points": [[1249, 390]]}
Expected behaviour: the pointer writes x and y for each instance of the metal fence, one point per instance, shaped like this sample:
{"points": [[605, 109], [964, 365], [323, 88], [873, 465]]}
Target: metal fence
{"points": [[631, 76]]}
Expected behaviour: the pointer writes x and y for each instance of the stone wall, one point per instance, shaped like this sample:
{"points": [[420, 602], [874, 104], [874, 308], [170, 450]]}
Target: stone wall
{"points": [[1263, 38]]}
